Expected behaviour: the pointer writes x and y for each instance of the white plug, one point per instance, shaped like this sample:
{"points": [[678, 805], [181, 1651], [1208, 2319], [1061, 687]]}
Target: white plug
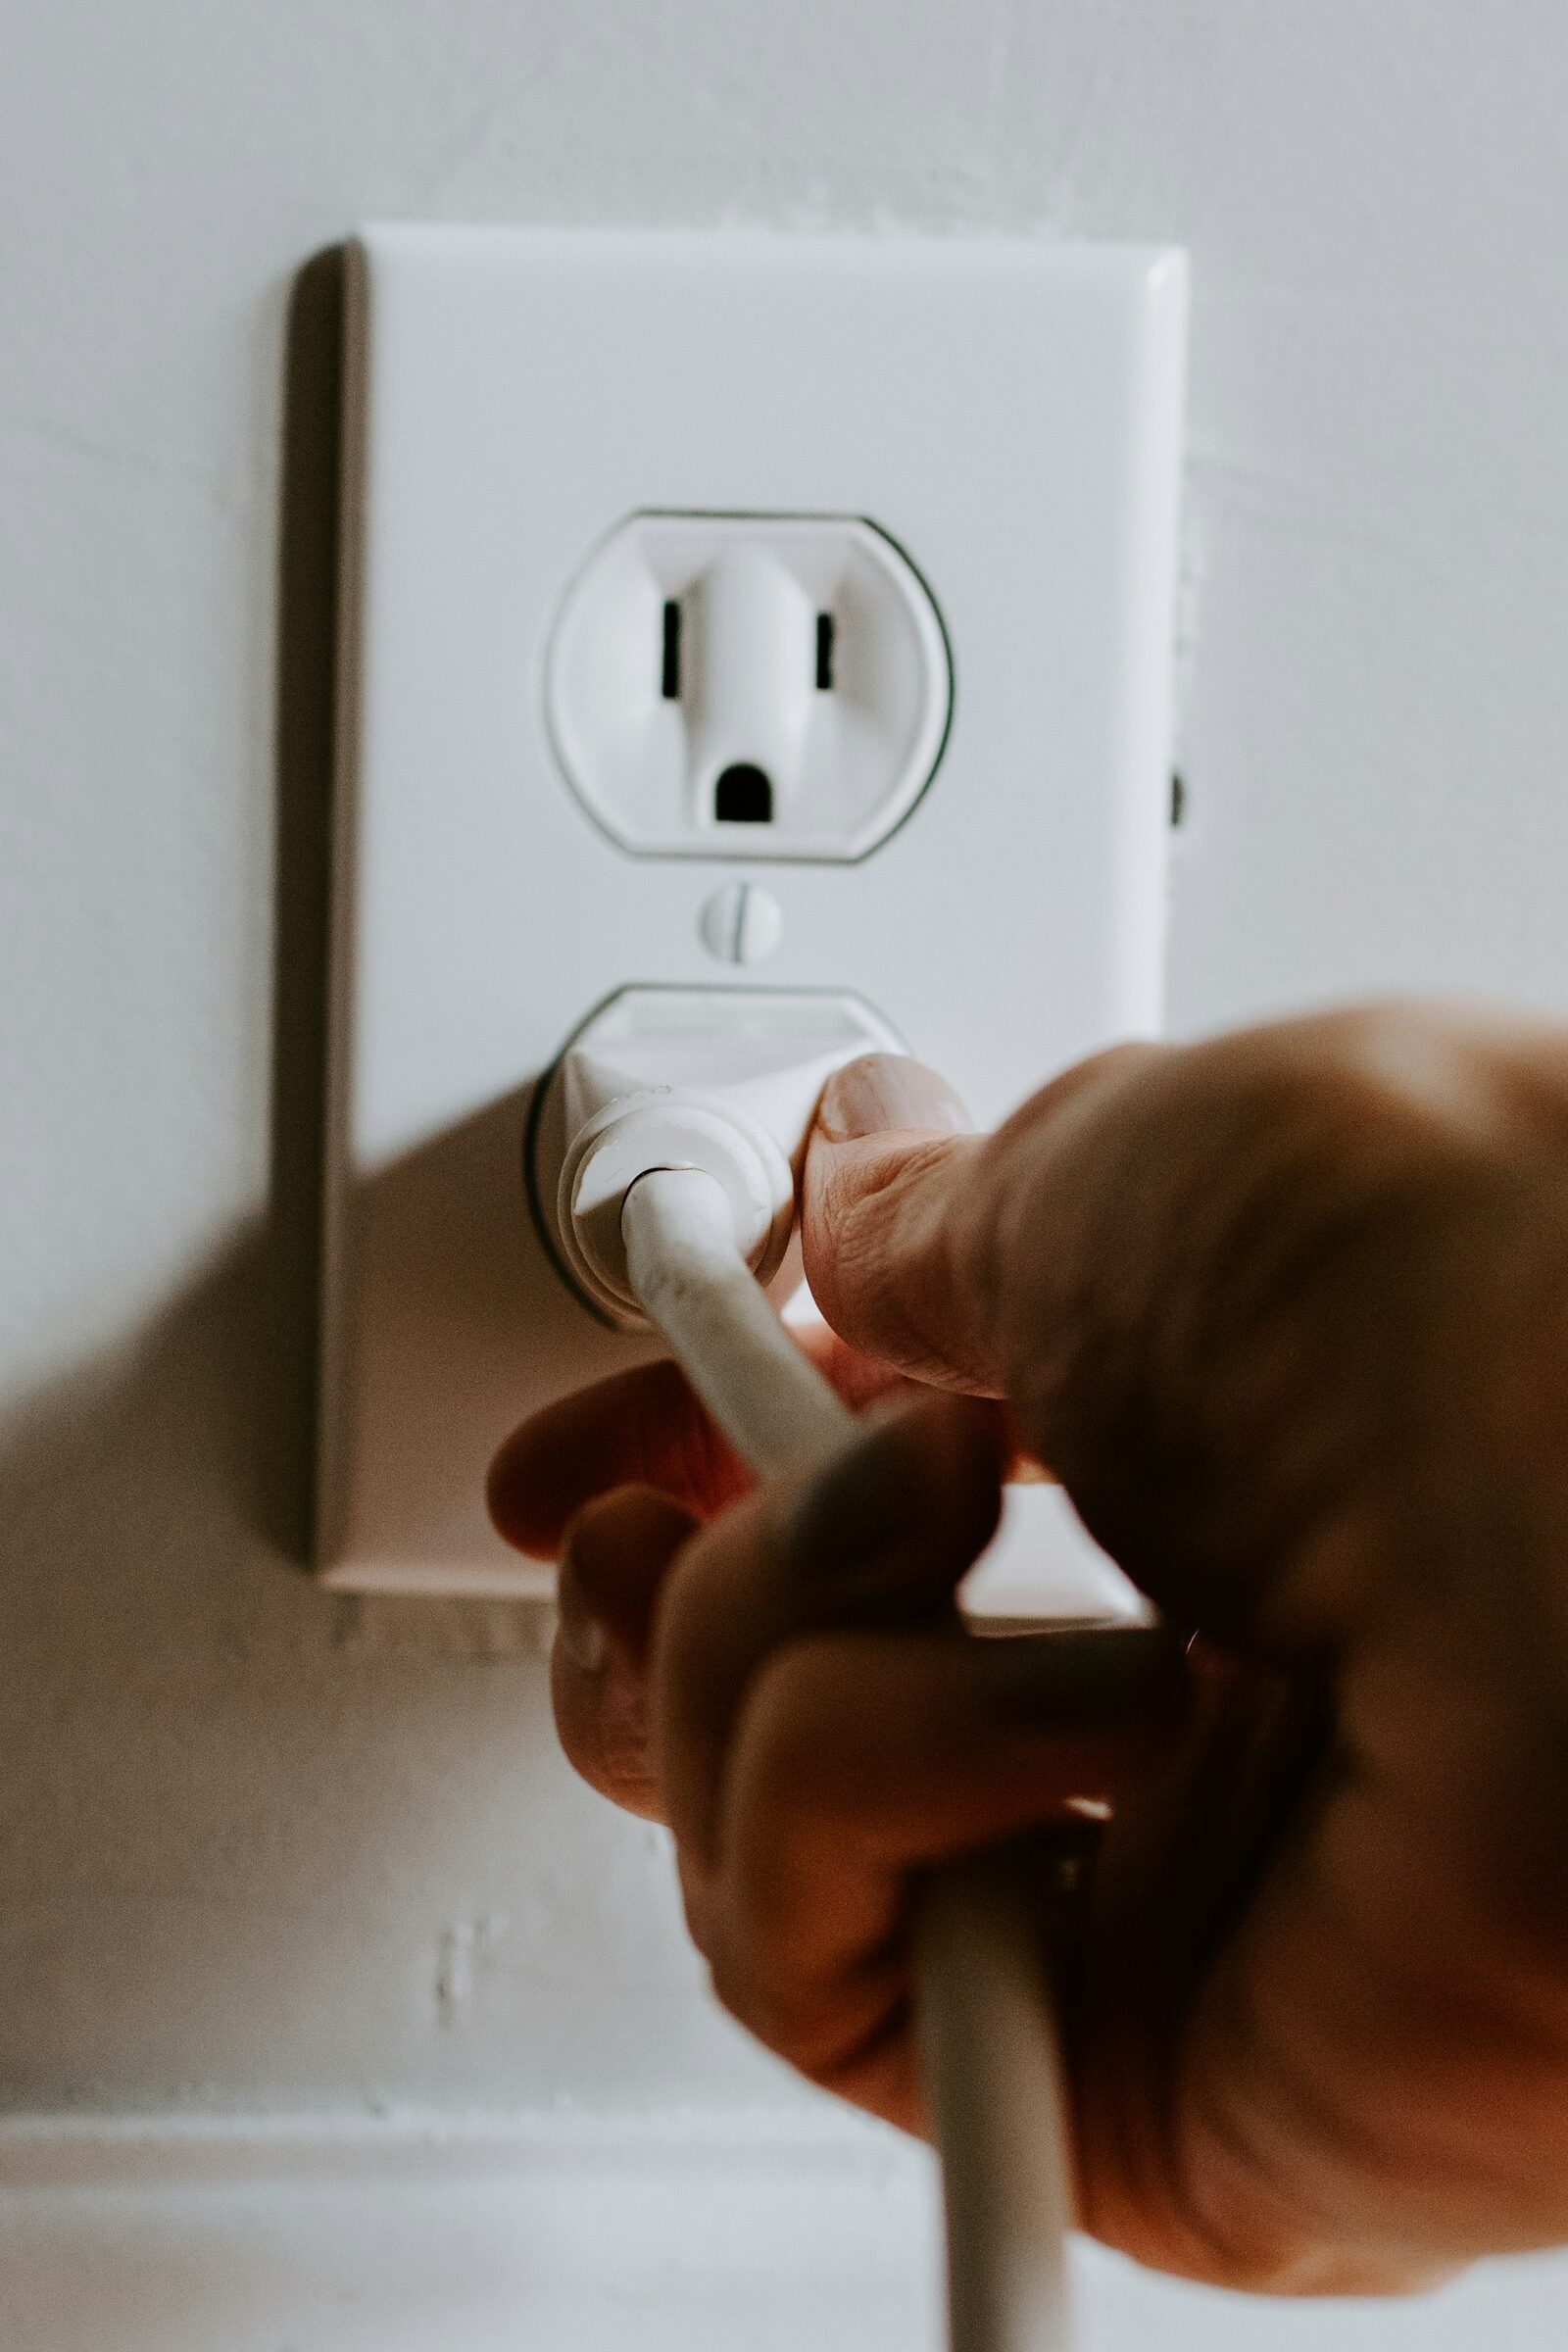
{"points": [[667, 1128], [724, 1081]]}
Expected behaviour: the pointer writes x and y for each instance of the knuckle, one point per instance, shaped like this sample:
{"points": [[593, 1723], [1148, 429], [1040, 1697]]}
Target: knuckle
{"points": [[734, 1985], [603, 1735], [682, 1454], [1322, 1163], [700, 1907], [787, 1766], [683, 1625], [1269, 1249], [751, 1982]]}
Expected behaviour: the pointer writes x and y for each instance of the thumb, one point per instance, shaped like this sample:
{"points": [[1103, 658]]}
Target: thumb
{"points": [[889, 1166]]}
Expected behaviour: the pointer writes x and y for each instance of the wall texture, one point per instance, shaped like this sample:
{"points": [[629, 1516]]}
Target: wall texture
{"points": [[261, 1850]]}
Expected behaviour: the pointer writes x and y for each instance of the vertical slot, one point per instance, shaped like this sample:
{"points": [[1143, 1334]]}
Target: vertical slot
{"points": [[670, 670], [824, 652]]}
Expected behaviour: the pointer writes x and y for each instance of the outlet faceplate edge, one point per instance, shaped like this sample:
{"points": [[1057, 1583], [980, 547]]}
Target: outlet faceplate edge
{"points": [[462, 960]]}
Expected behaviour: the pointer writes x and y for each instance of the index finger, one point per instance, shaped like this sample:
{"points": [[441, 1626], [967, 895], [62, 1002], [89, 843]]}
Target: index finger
{"points": [[643, 1428]]}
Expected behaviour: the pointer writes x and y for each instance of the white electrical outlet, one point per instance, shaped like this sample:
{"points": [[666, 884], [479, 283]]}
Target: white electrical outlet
{"points": [[787, 674], [904, 739]]}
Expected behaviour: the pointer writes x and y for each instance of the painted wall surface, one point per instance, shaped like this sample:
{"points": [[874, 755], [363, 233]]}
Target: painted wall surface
{"points": [[260, 1850]]}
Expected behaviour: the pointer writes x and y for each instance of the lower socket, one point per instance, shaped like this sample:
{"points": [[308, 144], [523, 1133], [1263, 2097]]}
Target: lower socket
{"points": [[726, 1080]]}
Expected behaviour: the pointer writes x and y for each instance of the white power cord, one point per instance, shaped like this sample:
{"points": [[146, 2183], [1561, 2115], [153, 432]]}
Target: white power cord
{"points": [[699, 1292], [988, 2054]]}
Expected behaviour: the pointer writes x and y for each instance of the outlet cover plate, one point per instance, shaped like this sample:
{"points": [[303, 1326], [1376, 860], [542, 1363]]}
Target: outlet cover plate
{"points": [[1009, 412]]}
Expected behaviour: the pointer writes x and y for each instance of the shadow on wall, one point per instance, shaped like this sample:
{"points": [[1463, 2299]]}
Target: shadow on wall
{"points": [[253, 1312], [440, 1234], [230, 1802], [305, 679], [251, 1323], [447, 1274], [256, 1312]]}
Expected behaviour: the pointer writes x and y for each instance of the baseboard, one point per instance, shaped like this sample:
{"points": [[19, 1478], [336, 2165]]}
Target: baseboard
{"points": [[774, 2232], [438, 2234]]}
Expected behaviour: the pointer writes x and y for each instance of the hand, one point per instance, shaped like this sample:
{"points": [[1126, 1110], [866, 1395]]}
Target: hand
{"points": [[1287, 1313]]}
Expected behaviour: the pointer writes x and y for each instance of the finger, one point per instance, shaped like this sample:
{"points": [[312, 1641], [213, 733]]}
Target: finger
{"points": [[1206, 1278], [886, 1166], [884, 1536], [613, 1563], [617, 1554], [640, 1428], [1231, 1283], [860, 1759], [1295, 2017], [901, 1212]]}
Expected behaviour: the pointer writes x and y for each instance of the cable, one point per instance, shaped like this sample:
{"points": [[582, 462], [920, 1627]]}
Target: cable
{"points": [[988, 2057], [697, 1289]]}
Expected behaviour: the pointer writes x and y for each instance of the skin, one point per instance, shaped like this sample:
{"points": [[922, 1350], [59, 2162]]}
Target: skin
{"points": [[1286, 1313]]}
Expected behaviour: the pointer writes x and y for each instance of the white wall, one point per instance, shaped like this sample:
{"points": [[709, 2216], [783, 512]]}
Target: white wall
{"points": [[258, 1850]]}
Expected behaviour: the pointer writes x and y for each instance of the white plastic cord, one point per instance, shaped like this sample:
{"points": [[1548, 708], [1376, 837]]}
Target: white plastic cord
{"points": [[988, 2055], [698, 1291]]}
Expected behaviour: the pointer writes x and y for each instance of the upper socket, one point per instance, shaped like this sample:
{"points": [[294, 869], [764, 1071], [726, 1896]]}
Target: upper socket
{"points": [[749, 686]]}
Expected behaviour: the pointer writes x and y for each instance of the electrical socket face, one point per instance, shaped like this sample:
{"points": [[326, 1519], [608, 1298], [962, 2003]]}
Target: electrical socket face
{"points": [[743, 1064], [784, 675], [964, 458]]}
